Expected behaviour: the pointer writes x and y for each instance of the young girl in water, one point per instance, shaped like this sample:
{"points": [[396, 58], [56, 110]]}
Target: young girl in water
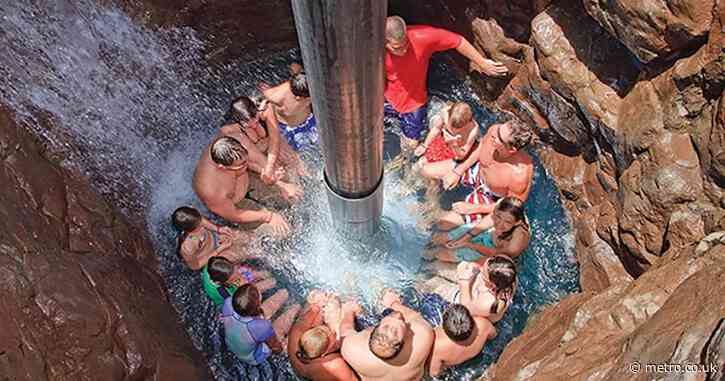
{"points": [[200, 239], [248, 330], [505, 233], [486, 289], [221, 278]]}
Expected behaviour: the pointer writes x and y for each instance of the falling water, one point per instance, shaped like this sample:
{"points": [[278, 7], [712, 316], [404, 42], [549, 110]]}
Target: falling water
{"points": [[131, 109]]}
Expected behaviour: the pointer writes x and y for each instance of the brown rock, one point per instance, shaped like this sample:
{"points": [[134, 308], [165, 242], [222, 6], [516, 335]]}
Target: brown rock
{"points": [[244, 29], [654, 29], [599, 336], [80, 298]]}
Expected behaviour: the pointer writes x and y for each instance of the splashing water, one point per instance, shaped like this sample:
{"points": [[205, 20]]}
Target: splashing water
{"points": [[132, 109]]}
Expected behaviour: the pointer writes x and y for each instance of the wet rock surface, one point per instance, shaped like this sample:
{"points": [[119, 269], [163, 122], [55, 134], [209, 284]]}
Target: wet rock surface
{"points": [[80, 296], [232, 30], [626, 98]]}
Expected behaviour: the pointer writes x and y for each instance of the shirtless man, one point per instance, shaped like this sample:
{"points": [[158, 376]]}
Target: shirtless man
{"points": [[407, 56], [256, 128], [221, 181], [315, 338], [394, 350], [459, 338], [499, 168], [293, 108]]}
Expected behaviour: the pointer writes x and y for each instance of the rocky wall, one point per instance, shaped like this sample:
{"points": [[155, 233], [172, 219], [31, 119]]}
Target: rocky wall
{"points": [[626, 99], [80, 298], [231, 30]]}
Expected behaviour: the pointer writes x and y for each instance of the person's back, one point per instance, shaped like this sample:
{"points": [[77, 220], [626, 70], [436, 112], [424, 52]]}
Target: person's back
{"points": [[394, 350], [460, 338], [290, 109], [409, 365], [313, 349], [245, 336]]}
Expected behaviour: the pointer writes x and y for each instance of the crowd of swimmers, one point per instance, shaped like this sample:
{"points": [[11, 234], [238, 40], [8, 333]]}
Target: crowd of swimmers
{"points": [[253, 168]]}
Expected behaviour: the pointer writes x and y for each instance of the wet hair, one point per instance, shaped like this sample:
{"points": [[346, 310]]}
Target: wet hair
{"points": [[458, 322], [220, 269], [515, 207], [395, 28], [226, 149], [384, 344], [298, 85], [246, 301], [186, 218], [313, 343], [461, 114], [521, 134], [502, 272], [242, 110]]}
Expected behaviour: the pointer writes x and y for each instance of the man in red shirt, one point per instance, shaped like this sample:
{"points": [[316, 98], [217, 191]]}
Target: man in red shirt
{"points": [[406, 69]]}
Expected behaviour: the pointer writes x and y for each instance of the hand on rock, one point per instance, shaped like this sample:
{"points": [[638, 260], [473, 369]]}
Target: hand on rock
{"points": [[491, 68]]}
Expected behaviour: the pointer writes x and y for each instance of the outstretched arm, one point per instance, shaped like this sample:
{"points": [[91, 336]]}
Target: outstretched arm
{"points": [[227, 210], [480, 63], [273, 150]]}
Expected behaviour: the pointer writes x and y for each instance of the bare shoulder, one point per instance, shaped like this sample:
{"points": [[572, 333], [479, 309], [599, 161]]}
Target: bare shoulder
{"points": [[353, 345], [229, 129]]}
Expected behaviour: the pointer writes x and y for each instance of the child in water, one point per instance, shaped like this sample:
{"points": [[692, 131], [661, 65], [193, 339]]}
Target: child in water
{"points": [[506, 233]]}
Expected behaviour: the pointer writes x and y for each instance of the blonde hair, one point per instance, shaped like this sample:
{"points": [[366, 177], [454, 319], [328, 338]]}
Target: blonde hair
{"points": [[314, 342], [461, 114]]}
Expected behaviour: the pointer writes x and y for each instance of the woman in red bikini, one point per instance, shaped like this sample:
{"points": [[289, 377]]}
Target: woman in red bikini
{"points": [[453, 137]]}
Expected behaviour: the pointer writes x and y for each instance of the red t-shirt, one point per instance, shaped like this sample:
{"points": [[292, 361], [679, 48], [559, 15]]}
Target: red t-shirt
{"points": [[407, 75]]}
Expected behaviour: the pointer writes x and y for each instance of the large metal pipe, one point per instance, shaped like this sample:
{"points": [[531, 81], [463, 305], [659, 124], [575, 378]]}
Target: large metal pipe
{"points": [[342, 44]]}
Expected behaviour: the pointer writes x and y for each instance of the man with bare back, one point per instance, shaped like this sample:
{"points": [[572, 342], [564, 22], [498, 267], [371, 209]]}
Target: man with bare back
{"points": [[499, 168], [222, 182], [394, 350], [293, 108]]}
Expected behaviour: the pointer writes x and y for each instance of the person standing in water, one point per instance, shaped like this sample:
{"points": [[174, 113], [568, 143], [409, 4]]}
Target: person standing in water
{"points": [[293, 108], [407, 57]]}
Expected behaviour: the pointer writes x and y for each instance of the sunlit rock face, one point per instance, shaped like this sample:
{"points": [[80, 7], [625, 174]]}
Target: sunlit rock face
{"points": [[626, 98], [80, 296]]}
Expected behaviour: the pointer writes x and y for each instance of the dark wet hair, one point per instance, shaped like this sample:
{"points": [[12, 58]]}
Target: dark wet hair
{"points": [[458, 322], [515, 207], [298, 85], [242, 110], [246, 301], [384, 345], [521, 135], [219, 269], [226, 149], [186, 218], [502, 272]]}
